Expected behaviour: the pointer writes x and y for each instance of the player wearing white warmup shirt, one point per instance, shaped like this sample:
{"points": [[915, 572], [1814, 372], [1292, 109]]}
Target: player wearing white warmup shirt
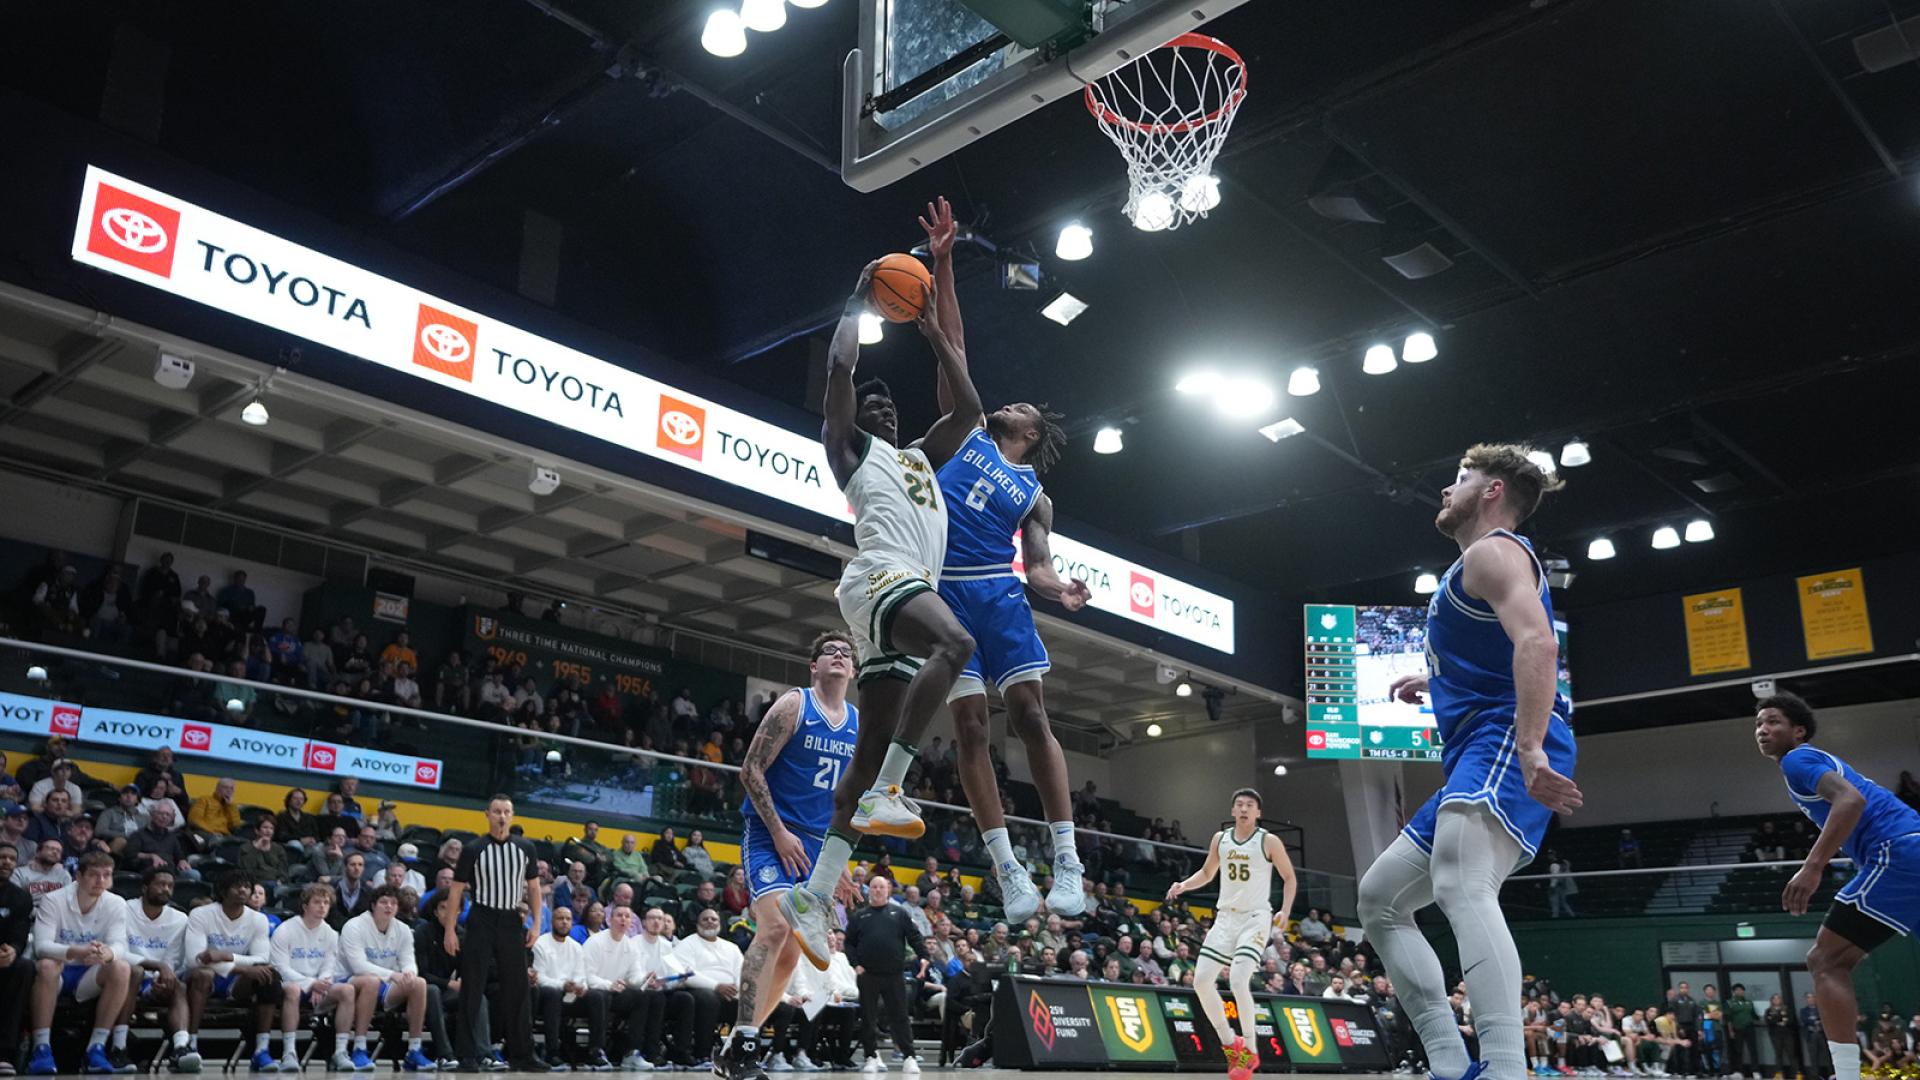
{"points": [[887, 597], [1246, 857], [306, 954], [376, 949], [229, 954], [80, 938], [157, 953]]}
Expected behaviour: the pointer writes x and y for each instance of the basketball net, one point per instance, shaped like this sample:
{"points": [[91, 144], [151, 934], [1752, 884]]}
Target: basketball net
{"points": [[1169, 112]]}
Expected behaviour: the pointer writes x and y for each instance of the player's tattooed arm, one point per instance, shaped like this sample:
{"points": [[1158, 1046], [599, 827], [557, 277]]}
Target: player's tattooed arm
{"points": [[1037, 550], [782, 717], [840, 433]]}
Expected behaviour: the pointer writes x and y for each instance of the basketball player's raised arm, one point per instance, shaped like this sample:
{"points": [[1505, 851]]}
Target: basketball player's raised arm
{"points": [[782, 717], [1846, 804], [839, 433], [963, 415], [941, 230], [1289, 881], [1501, 573], [1037, 552], [1201, 876]]}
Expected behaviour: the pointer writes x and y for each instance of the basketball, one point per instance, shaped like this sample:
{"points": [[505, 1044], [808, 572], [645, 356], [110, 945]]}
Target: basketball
{"points": [[900, 287]]}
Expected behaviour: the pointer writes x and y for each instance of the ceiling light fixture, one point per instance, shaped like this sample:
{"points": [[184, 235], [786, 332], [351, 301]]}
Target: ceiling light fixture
{"points": [[1379, 360], [871, 328], [1153, 731], [1243, 397], [764, 16], [255, 414], [1199, 382], [1600, 549], [1419, 348], [1282, 429], [1575, 453], [1075, 243], [1064, 308], [807, 3], [1304, 382], [1699, 531], [725, 36], [1665, 537], [1154, 212], [1279, 770], [1183, 688], [1426, 584], [1542, 459], [1107, 441], [1200, 194]]}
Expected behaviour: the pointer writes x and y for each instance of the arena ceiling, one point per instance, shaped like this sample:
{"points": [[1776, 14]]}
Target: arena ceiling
{"points": [[1686, 232]]}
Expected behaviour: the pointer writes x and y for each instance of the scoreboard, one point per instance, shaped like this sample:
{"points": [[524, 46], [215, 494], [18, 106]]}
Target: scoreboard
{"points": [[1353, 655], [1066, 1024]]}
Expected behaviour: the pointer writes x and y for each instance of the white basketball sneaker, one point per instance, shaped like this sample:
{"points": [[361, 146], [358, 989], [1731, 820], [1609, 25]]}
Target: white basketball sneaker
{"points": [[1067, 899], [1018, 896], [806, 912], [888, 813]]}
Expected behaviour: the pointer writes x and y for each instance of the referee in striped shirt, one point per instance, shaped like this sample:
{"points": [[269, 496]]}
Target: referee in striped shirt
{"points": [[501, 869]]}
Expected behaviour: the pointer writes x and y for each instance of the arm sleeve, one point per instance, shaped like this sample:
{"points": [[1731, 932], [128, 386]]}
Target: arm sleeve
{"points": [[259, 943], [46, 933], [855, 926], [116, 929], [353, 951], [1804, 766], [589, 957], [196, 941], [281, 948], [407, 962], [548, 962], [915, 940]]}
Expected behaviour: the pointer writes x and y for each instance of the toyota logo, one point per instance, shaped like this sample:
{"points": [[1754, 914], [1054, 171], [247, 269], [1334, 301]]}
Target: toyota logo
{"points": [[680, 427], [1316, 740], [426, 772], [196, 738], [445, 343], [323, 757], [1142, 594], [133, 230]]}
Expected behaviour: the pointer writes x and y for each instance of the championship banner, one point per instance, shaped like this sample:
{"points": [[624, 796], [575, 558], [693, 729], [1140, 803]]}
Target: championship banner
{"points": [[1833, 614], [146, 235], [550, 652], [223, 742], [1060, 1023], [1716, 632]]}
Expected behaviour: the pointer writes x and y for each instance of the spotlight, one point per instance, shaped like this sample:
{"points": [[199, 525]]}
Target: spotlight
{"points": [[1243, 397], [1075, 243], [1543, 460], [1279, 770], [1153, 212], [1699, 531], [542, 480], [870, 328], [36, 674], [1201, 193], [236, 706], [1282, 429], [1304, 382], [1419, 348], [1665, 537], [1064, 308], [1199, 382], [1183, 688], [1575, 453], [1426, 584], [553, 757], [255, 414], [725, 35], [766, 16], [807, 3], [1153, 731], [1107, 441], [1600, 550], [1379, 360]]}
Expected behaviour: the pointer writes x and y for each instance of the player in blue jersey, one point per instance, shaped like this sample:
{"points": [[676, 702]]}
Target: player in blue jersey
{"points": [[1868, 824], [1508, 757], [993, 492], [797, 758]]}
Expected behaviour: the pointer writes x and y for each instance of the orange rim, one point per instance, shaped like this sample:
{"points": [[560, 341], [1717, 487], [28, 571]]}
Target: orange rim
{"points": [[1185, 41]]}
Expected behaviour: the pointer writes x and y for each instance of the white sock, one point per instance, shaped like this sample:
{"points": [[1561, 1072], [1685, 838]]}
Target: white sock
{"points": [[1000, 852], [1398, 884], [42, 1037], [893, 770], [1846, 1059], [179, 1040], [286, 1042], [1063, 849], [119, 1036], [193, 1040], [360, 1043], [832, 862], [413, 1043], [261, 1040], [98, 1038], [340, 1043]]}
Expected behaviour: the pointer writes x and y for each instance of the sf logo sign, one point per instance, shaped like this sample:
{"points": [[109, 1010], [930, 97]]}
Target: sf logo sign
{"points": [[445, 342], [133, 231]]}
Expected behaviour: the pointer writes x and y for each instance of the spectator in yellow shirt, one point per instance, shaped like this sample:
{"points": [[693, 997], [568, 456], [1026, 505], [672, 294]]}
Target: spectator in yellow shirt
{"points": [[400, 652], [216, 814]]}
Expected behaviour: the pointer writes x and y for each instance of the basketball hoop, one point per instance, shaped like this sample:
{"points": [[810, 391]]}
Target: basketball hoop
{"points": [[1168, 112]]}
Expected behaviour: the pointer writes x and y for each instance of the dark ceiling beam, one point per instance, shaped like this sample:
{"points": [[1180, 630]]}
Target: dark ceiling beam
{"points": [[1248, 192], [167, 427], [288, 460], [1447, 221], [1726, 442], [72, 365], [1839, 91]]}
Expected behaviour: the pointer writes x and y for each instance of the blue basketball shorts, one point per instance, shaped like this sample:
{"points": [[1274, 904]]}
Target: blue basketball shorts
{"points": [[1007, 647], [765, 872], [1886, 884], [1487, 773]]}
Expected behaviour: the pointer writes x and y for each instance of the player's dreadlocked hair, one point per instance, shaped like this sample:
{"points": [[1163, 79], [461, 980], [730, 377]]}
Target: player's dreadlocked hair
{"points": [[1053, 439]]}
